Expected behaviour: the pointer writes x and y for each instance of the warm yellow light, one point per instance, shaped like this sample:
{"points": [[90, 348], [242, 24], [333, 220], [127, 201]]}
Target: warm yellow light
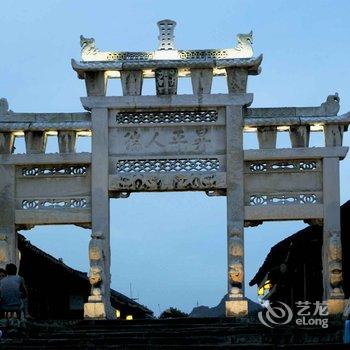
{"points": [[268, 284], [129, 317], [261, 291], [18, 133], [84, 133], [316, 127], [117, 313]]}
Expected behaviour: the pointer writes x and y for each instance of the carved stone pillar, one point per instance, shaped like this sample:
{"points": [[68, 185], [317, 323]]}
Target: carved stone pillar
{"points": [[333, 135], [131, 82], [98, 277], [201, 80], [96, 83], [8, 233], [7, 140], [267, 136], [236, 305], [236, 79], [332, 249], [35, 141], [299, 136], [67, 141], [166, 81], [99, 305]]}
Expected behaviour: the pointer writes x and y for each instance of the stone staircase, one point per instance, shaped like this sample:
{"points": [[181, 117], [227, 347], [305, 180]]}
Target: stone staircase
{"points": [[189, 333]]}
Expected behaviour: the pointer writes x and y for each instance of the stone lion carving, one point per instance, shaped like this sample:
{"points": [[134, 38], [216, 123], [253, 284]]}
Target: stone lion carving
{"points": [[336, 279], [95, 275], [235, 273]]}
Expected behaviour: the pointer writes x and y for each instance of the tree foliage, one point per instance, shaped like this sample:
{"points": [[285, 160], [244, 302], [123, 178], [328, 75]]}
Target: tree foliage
{"points": [[172, 312]]}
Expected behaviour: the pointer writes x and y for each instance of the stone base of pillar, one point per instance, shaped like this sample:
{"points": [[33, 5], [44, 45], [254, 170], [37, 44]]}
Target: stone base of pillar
{"points": [[336, 306], [96, 311], [237, 308]]}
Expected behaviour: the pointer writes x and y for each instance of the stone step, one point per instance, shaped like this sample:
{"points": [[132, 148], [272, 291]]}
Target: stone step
{"points": [[163, 334], [177, 347]]}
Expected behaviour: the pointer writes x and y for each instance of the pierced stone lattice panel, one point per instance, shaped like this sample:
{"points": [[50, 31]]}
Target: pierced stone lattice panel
{"points": [[202, 54], [30, 204], [284, 166], [166, 182], [167, 117], [130, 56], [75, 170], [167, 165], [284, 199]]}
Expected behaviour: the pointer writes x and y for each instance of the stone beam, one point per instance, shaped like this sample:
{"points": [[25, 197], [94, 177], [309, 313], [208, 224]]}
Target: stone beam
{"points": [[169, 101]]}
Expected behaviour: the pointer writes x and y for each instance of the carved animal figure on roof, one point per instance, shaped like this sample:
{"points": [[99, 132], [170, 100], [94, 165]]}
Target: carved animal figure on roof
{"points": [[88, 48], [4, 106], [244, 48], [331, 106]]}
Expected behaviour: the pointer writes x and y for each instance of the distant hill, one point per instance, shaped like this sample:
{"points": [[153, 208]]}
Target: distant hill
{"points": [[219, 310]]}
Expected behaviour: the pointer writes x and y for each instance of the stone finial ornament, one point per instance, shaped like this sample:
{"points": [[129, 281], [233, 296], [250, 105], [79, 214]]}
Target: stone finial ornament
{"points": [[166, 34]]}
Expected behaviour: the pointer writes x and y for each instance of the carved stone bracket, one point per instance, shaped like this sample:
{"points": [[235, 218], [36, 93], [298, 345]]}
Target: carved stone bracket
{"points": [[299, 136], [96, 83], [237, 80], [6, 142], [201, 80], [166, 81], [333, 135], [35, 141], [253, 223], [267, 137], [67, 141], [131, 82]]}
